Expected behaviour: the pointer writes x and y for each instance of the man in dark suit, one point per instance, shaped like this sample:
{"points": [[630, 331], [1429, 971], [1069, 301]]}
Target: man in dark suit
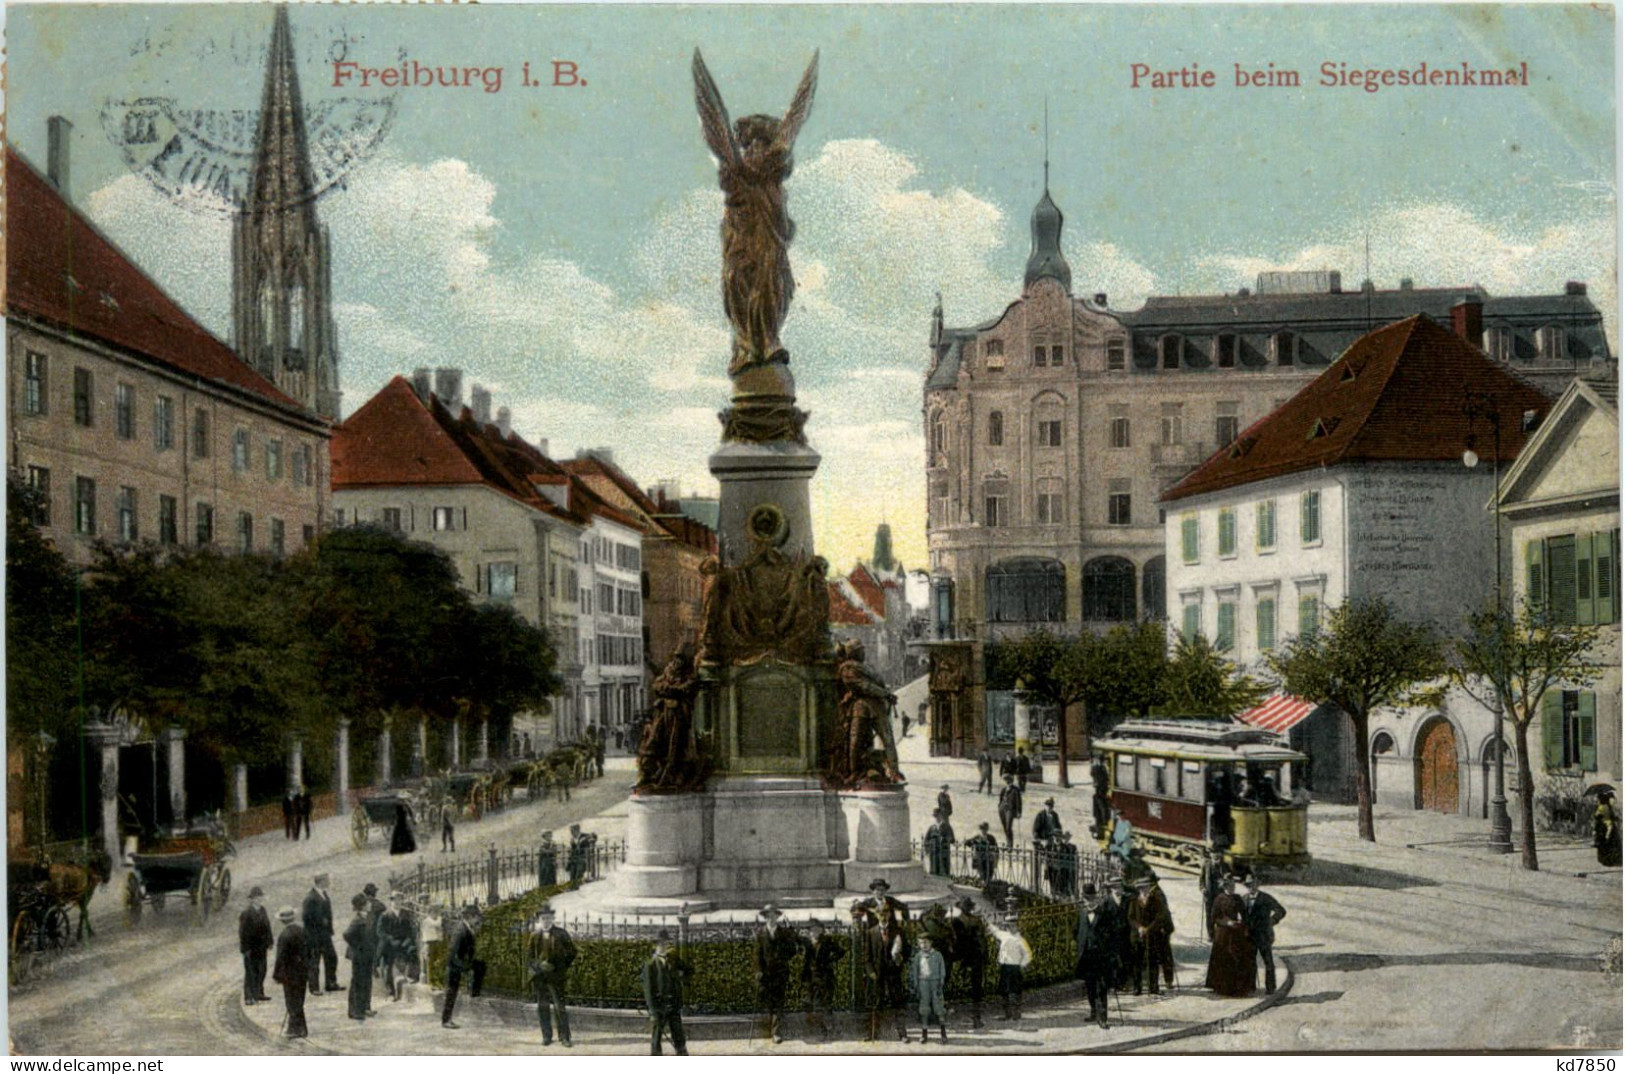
{"points": [[361, 948], [945, 803], [776, 945], [662, 979], [291, 971], [938, 845], [1009, 809], [582, 846], [460, 959], [254, 940], [305, 808], [1047, 824], [984, 772], [1097, 952], [1024, 769], [1150, 926], [984, 853], [550, 952], [317, 916], [1263, 913], [547, 862], [970, 951], [290, 814], [1112, 904], [818, 961], [1065, 856], [397, 944]]}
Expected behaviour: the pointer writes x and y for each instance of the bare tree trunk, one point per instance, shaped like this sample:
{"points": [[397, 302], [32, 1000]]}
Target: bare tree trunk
{"points": [[1362, 775], [1526, 795]]}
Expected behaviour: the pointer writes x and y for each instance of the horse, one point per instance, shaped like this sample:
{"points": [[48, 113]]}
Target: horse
{"points": [[69, 884]]}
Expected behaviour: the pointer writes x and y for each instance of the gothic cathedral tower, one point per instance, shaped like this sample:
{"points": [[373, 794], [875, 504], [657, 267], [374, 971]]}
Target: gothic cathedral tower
{"points": [[282, 319]]}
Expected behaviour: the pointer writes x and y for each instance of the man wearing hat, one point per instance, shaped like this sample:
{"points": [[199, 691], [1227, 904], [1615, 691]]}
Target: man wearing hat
{"points": [[1015, 955], [318, 921], [1009, 809], [1024, 768], [1046, 830], [938, 845], [292, 971], [460, 959], [1064, 853], [1150, 927], [397, 944], [662, 978], [776, 947], [550, 952], [984, 772], [361, 948], [254, 940], [970, 951], [547, 862], [1097, 950], [880, 898], [945, 803], [1262, 915], [1112, 904], [818, 961], [984, 852], [375, 911], [582, 846]]}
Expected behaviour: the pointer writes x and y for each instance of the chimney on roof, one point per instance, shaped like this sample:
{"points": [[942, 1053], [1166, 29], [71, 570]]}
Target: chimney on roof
{"points": [[481, 401], [448, 385], [541, 445], [505, 421], [1574, 287], [420, 384], [602, 454], [1467, 319], [58, 132], [1406, 284], [1335, 282]]}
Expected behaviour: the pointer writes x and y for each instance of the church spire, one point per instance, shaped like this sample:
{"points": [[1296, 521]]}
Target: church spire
{"points": [[281, 288], [1046, 259]]}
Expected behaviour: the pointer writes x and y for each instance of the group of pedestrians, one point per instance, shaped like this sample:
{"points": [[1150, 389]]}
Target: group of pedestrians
{"points": [[296, 810], [1013, 767], [380, 941]]}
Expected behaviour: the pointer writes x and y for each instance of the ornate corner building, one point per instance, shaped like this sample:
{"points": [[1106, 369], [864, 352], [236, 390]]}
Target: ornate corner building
{"points": [[1053, 428]]}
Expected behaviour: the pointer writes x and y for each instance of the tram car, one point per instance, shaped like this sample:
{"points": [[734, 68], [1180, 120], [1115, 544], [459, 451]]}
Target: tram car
{"points": [[1194, 784]]}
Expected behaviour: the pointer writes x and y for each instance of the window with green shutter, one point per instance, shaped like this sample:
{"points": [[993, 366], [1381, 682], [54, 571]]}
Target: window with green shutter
{"points": [[1534, 558], [1193, 621], [1585, 610], [1309, 517], [1551, 729], [1266, 625], [1561, 602], [1308, 616], [1189, 535], [1585, 730], [1227, 531], [1227, 626], [1266, 524]]}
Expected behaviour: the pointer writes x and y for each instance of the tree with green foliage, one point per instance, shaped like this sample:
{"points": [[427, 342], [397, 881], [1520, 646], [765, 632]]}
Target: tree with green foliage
{"points": [[1515, 661], [41, 625], [1056, 670], [506, 664], [1363, 656], [1201, 680]]}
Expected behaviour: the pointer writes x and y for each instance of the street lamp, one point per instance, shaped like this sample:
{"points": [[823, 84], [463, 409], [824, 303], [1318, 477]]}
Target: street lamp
{"points": [[1483, 405]]}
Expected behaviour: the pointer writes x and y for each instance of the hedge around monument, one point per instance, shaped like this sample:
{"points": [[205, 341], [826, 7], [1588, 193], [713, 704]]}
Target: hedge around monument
{"points": [[607, 972]]}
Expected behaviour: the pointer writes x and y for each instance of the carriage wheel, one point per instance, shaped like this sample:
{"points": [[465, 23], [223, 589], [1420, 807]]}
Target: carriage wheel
{"points": [[222, 889], [55, 930], [132, 901], [360, 828], [202, 896], [22, 957]]}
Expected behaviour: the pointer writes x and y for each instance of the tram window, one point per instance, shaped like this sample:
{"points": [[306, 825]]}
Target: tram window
{"points": [[1125, 772], [1159, 775], [1190, 781]]}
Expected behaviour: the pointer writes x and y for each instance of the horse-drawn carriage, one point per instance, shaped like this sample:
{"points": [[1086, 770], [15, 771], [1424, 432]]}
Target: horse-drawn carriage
{"points": [[190, 863], [40, 892]]}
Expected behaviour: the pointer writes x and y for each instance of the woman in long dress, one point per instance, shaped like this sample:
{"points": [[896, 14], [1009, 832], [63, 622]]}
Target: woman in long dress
{"points": [[401, 840], [1233, 968], [1605, 830]]}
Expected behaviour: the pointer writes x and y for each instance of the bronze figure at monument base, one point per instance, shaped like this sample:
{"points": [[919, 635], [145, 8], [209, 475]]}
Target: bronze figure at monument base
{"points": [[671, 757]]}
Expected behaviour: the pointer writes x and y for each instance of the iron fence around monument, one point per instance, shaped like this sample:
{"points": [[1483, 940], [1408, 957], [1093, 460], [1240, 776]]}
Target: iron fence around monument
{"points": [[1031, 867], [500, 875]]}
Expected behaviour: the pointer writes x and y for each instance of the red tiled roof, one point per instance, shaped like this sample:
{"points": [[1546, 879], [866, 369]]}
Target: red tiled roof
{"points": [[869, 588], [1397, 394], [843, 611], [62, 271], [396, 439]]}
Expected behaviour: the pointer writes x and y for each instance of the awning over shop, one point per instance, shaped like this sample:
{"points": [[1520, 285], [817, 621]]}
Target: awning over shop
{"points": [[1279, 713]]}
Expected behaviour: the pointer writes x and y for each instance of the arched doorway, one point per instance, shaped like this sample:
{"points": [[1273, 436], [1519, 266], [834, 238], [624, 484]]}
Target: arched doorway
{"points": [[1437, 769], [1108, 590], [1381, 743]]}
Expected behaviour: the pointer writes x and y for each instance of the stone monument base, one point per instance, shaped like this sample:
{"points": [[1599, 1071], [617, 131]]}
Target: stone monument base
{"points": [[748, 840]]}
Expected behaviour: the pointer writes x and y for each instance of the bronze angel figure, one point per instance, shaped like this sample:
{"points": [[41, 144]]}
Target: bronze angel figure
{"points": [[753, 161]]}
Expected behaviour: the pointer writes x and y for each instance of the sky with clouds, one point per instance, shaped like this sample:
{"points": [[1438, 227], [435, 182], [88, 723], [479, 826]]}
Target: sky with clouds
{"points": [[560, 245]]}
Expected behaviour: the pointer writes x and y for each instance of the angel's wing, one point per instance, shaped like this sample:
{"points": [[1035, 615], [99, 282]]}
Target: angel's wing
{"points": [[800, 105], [714, 122]]}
